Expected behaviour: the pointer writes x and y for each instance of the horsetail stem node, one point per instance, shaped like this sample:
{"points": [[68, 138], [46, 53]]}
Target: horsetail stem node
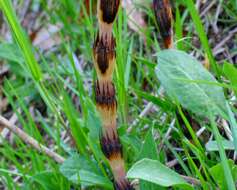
{"points": [[163, 14], [104, 57], [107, 11]]}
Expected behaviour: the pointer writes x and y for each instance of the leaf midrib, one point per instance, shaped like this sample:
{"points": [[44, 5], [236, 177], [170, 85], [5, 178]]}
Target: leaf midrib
{"points": [[178, 67]]}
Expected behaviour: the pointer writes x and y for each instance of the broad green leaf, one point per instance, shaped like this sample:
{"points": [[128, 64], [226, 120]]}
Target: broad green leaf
{"points": [[155, 172], [213, 146], [180, 73], [217, 173], [82, 171]]}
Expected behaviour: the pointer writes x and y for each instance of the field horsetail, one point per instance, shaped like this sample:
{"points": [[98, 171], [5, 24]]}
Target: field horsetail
{"points": [[163, 15], [105, 95]]}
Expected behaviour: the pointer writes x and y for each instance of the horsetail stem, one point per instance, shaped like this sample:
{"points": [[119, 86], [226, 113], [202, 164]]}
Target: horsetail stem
{"points": [[163, 14], [105, 96]]}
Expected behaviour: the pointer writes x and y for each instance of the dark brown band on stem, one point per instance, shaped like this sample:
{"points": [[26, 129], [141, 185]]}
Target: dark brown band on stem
{"points": [[104, 53], [109, 9], [163, 13], [111, 146], [105, 94], [123, 185]]}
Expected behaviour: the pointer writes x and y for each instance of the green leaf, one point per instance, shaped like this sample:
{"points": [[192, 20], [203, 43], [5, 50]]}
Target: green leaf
{"points": [[224, 162], [180, 74], [13, 55], [132, 145], [202, 34], [231, 73], [48, 180], [93, 122], [149, 150], [233, 125], [217, 173], [11, 52], [128, 66], [162, 103], [213, 146], [76, 125], [82, 171], [21, 39], [155, 172]]}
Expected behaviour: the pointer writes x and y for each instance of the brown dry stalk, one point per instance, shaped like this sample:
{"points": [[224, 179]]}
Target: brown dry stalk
{"points": [[104, 61], [30, 140]]}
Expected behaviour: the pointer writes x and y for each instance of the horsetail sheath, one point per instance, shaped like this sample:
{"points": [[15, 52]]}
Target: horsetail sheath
{"points": [[108, 10], [163, 14]]}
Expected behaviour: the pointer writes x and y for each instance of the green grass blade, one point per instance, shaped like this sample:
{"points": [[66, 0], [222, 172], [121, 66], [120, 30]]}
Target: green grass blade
{"points": [[224, 160], [21, 39], [202, 34]]}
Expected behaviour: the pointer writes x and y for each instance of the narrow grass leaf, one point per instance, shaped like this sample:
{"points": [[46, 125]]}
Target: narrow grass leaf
{"points": [[179, 29], [233, 125], [162, 103], [21, 39], [224, 162], [202, 34], [128, 66], [190, 129], [231, 73], [76, 125]]}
